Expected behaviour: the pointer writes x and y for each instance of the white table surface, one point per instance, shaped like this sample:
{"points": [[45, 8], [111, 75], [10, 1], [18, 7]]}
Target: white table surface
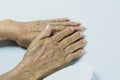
{"points": [[101, 17]]}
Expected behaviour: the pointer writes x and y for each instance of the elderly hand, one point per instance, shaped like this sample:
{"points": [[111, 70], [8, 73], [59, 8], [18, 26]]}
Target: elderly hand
{"points": [[46, 55], [24, 32]]}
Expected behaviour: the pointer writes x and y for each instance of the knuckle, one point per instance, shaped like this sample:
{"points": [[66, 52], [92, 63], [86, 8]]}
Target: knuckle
{"points": [[83, 41], [8, 20], [70, 28]]}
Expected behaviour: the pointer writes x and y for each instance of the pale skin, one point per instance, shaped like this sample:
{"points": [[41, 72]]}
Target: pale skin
{"points": [[24, 32]]}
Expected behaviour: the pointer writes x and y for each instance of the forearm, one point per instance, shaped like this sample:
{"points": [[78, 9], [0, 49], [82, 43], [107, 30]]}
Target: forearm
{"points": [[21, 72], [18, 75], [6, 30], [3, 32], [4, 75]]}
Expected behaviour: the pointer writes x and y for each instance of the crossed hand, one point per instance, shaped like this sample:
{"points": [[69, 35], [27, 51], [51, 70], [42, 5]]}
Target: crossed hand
{"points": [[51, 45]]}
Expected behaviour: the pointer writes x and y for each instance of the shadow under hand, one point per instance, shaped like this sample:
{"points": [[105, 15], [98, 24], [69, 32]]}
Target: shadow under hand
{"points": [[7, 43], [95, 76], [76, 60]]}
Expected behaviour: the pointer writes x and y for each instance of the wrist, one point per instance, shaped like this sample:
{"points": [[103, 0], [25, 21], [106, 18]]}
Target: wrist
{"points": [[44, 71], [17, 75], [6, 30], [3, 76], [27, 72]]}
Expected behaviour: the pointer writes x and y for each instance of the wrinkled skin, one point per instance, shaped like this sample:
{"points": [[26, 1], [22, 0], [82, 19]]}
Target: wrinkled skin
{"points": [[24, 32], [48, 54]]}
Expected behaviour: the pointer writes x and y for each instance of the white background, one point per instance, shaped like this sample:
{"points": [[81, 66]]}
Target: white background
{"points": [[101, 17]]}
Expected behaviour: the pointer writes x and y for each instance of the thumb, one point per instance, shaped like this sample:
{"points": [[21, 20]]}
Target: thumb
{"points": [[46, 33]]}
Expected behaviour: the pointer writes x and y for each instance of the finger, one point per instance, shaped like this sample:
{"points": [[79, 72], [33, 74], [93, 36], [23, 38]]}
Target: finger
{"points": [[59, 28], [75, 55], [75, 46], [59, 36], [34, 44], [65, 24], [51, 20], [72, 38], [44, 34], [57, 20]]}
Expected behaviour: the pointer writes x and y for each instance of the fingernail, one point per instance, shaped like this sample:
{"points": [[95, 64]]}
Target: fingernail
{"points": [[47, 30], [76, 23], [47, 27], [82, 27], [65, 18], [84, 41], [81, 33], [82, 51]]}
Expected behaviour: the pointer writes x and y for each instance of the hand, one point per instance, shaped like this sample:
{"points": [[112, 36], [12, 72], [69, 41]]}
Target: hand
{"points": [[46, 55], [24, 32]]}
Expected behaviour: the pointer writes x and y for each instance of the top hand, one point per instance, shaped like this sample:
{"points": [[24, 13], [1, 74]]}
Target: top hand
{"points": [[46, 55]]}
